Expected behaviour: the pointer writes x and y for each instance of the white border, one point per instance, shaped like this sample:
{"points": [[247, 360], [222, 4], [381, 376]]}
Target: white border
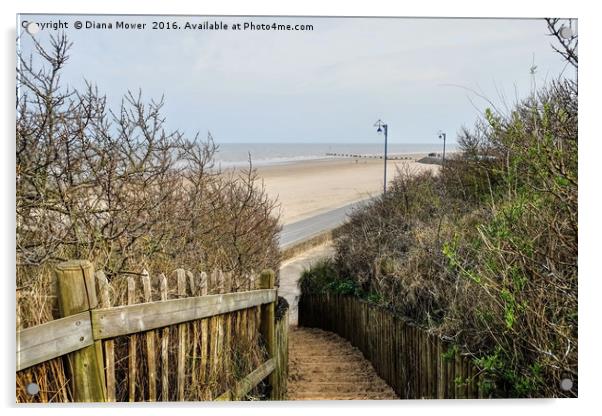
{"points": [[589, 151]]}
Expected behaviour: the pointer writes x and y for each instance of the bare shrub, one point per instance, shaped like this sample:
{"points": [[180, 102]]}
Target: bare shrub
{"points": [[118, 189], [114, 186]]}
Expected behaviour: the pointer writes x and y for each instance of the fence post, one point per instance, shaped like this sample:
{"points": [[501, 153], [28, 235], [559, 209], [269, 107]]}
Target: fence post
{"points": [[76, 294], [268, 323]]}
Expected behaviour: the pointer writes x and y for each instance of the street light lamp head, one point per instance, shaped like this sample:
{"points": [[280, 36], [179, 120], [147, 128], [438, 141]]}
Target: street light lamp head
{"points": [[443, 136], [380, 126]]}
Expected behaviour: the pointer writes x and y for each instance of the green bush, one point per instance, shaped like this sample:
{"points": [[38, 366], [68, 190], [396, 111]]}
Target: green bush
{"points": [[323, 277]]}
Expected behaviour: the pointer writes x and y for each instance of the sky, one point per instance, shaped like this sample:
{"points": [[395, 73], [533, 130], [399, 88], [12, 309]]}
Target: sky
{"points": [[329, 84]]}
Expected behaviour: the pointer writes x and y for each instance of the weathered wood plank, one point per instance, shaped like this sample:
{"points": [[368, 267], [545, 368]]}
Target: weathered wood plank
{"points": [[220, 319], [109, 344], [131, 319], [132, 366], [194, 370], [164, 345], [440, 362], [53, 339], [268, 320], [214, 282], [213, 348], [182, 339], [150, 343], [76, 294], [195, 282], [227, 348], [249, 382], [281, 370], [192, 283], [204, 334], [451, 374]]}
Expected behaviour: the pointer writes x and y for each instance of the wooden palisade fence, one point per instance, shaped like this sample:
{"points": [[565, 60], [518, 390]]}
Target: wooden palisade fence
{"points": [[197, 341], [413, 362]]}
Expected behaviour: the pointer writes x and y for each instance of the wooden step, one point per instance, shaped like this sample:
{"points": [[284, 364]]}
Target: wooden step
{"points": [[316, 395], [345, 387], [324, 366]]}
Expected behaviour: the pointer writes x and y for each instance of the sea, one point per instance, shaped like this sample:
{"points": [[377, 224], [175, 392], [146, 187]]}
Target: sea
{"points": [[262, 154]]}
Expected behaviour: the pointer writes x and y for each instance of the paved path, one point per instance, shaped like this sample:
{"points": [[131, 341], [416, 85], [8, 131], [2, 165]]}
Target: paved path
{"points": [[290, 271], [324, 366], [297, 232]]}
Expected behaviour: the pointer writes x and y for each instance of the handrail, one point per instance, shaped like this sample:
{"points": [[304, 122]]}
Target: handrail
{"points": [[53, 339], [62, 336], [130, 319]]}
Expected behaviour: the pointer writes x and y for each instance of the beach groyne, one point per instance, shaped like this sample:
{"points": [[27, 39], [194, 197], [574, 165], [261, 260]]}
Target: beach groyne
{"points": [[368, 156]]}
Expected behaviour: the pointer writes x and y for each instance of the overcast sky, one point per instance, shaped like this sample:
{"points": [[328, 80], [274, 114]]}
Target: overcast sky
{"points": [[325, 85]]}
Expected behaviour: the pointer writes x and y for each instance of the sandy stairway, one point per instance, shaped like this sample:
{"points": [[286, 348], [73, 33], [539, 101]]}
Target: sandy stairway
{"points": [[324, 366]]}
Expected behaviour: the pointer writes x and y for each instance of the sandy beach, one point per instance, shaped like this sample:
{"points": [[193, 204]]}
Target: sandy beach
{"points": [[308, 188]]}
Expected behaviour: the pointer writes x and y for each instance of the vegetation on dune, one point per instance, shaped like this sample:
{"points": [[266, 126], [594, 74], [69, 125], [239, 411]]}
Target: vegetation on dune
{"points": [[484, 253]]}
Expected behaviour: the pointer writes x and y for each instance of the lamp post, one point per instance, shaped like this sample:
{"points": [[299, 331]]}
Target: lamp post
{"points": [[443, 136], [382, 127]]}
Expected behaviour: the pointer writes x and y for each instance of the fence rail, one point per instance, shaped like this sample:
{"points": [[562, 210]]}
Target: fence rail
{"points": [[205, 329], [413, 362], [53, 339], [250, 381], [62, 336], [131, 319]]}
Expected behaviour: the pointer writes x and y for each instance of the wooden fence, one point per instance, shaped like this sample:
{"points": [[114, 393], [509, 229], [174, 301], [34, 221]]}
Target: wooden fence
{"points": [[413, 362], [212, 337]]}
